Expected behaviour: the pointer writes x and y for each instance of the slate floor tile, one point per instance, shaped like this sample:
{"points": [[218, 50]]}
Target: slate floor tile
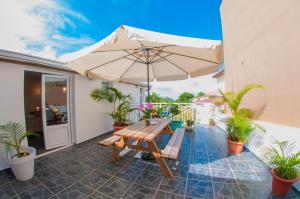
{"points": [[39, 192], [149, 179], [22, 186], [6, 176], [98, 195], [239, 165], [111, 168], [256, 190], [76, 191], [47, 173], [66, 164], [115, 187], [199, 173], [245, 176], [6, 191], [139, 192], [227, 190], [219, 175], [164, 195], [58, 183], [174, 185], [95, 179], [219, 163], [79, 172], [199, 189], [129, 173]]}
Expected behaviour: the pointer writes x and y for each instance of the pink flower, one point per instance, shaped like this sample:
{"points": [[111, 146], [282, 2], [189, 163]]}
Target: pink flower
{"points": [[149, 106], [141, 107]]}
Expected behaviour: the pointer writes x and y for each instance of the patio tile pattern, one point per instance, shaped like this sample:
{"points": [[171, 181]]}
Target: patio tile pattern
{"points": [[204, 170]]}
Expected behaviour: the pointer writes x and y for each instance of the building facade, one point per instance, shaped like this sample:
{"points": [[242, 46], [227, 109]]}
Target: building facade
{"points": [[54, 101]]}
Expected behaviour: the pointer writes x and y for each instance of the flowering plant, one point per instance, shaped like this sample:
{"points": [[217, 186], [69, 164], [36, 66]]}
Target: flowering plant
{"points": [[147, 110]]}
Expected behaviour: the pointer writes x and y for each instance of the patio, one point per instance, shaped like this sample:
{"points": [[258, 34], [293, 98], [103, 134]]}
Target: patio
{"points": [[204, 171]]}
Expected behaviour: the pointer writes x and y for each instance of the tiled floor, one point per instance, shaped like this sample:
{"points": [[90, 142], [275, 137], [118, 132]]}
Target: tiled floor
{"points": [[204, 170]]}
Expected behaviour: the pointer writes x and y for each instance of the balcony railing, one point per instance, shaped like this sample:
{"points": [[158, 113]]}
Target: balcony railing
{"points": [[186, 112]]}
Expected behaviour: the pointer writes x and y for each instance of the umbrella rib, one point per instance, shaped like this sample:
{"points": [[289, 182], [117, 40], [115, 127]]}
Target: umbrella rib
{"points": [[138, 57], [134, 60], [174, 64], [129, 67], [161, 58], [107, 63], [192, 57]]}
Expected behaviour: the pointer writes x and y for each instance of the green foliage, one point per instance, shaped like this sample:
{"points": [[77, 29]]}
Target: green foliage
{"points": [[282, 158], [233, 100], [185, 97], [11, 136], [200, 94], [158, 111], [174, 109], [190, 122], [155, 98], [120, 103], [239, 128]]}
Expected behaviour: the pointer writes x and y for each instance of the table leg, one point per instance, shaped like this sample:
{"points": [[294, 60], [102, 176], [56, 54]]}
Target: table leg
{"points": [[120, 146], [161, 161]]}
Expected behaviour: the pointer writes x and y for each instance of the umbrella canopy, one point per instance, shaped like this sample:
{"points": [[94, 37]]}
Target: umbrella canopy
{"points": [[136, 55]]}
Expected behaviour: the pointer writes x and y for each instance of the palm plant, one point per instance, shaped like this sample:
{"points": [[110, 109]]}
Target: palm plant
{"points": [[233, 100], [239, 128], [11, 136], [120, 103], [283, 159]]}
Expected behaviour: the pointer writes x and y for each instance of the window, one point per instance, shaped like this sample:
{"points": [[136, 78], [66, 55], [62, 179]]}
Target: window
{"points": [[106, 85]]}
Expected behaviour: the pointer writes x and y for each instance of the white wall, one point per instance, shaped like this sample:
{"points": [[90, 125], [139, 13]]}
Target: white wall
{"points": [[90, 116], [11, 100], [12, 95], [132, 90]]}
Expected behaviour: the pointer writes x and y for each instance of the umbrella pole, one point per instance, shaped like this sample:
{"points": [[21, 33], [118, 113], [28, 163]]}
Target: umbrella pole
{"points": [[148, 83]]}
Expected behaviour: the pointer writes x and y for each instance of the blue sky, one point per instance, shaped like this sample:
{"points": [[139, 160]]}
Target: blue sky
{"points": [[52, 28], [194, 18]]}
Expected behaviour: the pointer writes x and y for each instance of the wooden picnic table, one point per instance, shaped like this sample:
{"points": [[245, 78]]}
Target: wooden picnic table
{"points": [[133, 136]]}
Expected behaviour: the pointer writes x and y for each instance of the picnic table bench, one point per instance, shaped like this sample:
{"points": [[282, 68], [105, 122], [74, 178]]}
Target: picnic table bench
{"points": [[140, 133]]}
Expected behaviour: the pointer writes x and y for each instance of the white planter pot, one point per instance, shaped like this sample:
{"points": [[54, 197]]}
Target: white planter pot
{"points": [[23, 168]]}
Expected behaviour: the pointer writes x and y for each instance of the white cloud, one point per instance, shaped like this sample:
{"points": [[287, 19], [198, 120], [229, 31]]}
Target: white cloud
{"points": [[193, 85], [39, 23]]}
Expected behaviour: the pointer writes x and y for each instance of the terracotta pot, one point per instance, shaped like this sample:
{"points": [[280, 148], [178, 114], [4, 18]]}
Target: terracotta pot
{"points": [[235, 148], [118, 128], [280, 186]]}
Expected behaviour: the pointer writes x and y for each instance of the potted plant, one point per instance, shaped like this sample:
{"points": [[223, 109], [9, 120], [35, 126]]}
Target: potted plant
{"points": [[190, 123], [211, 121], [20, 158], [174, 111], [283, 161], [120, 105], [239, 125], [147, 111]]}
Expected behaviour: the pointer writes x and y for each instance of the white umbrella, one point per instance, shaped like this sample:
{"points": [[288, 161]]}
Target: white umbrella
{"points": [[136, 55]]}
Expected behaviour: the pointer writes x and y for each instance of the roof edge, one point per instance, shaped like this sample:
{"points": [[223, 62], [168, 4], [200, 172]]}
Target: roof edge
{"points": [[13, 56]]}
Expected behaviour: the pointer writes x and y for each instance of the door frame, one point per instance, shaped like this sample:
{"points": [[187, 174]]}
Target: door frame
{"points": [[45, 126]]}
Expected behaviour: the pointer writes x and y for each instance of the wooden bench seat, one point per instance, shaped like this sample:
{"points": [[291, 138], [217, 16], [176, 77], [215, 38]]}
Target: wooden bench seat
{"points": [[109, 141], [172, 149]]}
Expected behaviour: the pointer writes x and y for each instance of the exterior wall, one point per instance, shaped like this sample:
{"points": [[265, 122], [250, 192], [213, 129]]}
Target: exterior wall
{"points": [[132, 90], [91, 119], [88, 118], [12, 95], [261, 45]]}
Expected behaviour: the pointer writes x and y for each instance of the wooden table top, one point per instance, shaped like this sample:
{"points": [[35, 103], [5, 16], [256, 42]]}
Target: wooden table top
{"points": [[140, 131]]}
